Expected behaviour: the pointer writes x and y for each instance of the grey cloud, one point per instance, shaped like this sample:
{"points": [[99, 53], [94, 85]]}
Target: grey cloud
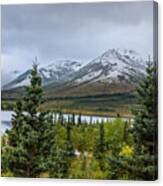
{"points": [[75, 15], [81, 30]]}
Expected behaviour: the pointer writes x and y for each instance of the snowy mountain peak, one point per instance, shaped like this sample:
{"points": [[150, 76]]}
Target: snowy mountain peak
{"points": [[113, 66], [70, 64], [57, 72], [118, 55]]}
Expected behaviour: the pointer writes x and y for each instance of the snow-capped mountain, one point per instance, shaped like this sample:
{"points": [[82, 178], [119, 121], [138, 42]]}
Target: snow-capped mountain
{"points": [[60, 70], [56, 72], [115, 66]]}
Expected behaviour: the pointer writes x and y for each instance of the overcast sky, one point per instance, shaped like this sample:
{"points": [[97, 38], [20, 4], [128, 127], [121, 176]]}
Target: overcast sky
{"points": [[72, 31]]}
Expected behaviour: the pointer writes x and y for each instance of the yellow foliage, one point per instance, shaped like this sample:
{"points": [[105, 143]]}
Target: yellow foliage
{"points": [[7, 174], [44, 175], [126, 151]]}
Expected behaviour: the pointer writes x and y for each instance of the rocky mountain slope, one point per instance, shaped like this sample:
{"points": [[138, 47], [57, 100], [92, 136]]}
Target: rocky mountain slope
{"points": [[56, 72], [113, 66], [114, 71]]}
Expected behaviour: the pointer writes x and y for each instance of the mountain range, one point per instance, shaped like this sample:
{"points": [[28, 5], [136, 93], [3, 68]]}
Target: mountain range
{"points": [[114, 71]]}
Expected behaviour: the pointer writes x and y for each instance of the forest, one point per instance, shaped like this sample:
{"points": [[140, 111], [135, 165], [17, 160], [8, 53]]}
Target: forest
{"points": [[39, 145]]}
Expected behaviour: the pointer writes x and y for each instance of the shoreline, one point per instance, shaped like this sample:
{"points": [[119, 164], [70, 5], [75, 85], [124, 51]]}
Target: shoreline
{"points": [[84, 113]]}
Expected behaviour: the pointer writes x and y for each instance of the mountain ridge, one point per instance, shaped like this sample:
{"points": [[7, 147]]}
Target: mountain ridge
{"points": [[115, 70]]}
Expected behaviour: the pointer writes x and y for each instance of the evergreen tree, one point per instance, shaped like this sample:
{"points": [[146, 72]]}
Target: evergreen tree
{"points": [[47, 141], [145, 126], [100, 147], [14, 157], [32, 135], [79, 119], [142, 165], [125, 132], [60, 158], [69, 146], [60, 118], [73, 119], [59, 163]]}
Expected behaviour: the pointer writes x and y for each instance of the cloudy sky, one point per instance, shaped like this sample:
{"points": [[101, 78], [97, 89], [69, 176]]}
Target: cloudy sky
{"points": [[72, 31]]}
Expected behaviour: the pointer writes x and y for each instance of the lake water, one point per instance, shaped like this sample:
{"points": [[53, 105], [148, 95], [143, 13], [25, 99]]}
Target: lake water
{"points": [[7, 115]]}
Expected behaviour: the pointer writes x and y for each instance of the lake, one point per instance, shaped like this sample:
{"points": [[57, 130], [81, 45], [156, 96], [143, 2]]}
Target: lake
{"points": [[7, 115]]}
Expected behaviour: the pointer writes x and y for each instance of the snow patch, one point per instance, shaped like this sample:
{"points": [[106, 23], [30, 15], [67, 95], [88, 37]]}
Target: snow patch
{"points": [[25, 82]]}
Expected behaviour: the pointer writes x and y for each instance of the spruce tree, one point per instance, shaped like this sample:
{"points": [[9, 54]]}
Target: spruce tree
{"points": [[145, 126], [100, 147], [69, 146], [32, 100], [58, 163], [14, 155], [57, 160], [125, 132], [142, 165], [73, 119], [79, 119], [32, 134], [61, 118], [60, 158]]}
